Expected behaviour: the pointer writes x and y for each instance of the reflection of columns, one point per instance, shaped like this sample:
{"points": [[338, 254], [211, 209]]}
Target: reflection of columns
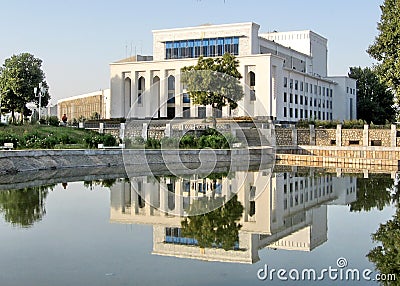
{"points": [[179, 197], [163, 196]]}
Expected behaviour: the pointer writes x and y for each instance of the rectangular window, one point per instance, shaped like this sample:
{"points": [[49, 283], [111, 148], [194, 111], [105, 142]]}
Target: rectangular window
{"points": [[291, 112], [301, 86], [285, 82], [220, 46], [301, 99], [305, 114], [301, 113], [291, 98], [306, 86], [311, 88], [186, 98], [296, 99], [206, 46], [284, 112], [351, 108], [284, 97], [296, 84], [305, 100], [235, 46], [347, 90], [315, 89], [212, 48], [295, 113], [311, 100], [319, 90], [331, 91], [291, 84]]}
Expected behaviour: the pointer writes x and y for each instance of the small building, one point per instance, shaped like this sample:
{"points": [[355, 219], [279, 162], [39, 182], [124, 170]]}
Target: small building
{"points": [[284, 75], [94, 105]]}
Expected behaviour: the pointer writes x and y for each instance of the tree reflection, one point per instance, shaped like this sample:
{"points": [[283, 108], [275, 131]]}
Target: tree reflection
{"points": [[24, 207], [386, 256], [219, 227], [373, 192]]}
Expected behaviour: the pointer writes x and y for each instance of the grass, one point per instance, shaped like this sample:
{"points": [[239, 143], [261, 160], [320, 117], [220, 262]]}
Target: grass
{"points": [[75, 136]]}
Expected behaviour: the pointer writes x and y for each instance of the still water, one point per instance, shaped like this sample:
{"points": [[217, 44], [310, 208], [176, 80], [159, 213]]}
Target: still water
{"points": [[119, 231]]}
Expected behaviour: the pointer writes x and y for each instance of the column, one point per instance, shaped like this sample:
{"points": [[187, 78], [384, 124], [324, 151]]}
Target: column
{"points": [[365, 135], [339, 135], [393, 135]]}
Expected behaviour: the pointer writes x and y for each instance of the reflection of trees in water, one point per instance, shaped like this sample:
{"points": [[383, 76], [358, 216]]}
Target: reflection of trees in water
{"points": [[24, 207], [373, 192], [386, 256], [219, 227], [106, 183]]}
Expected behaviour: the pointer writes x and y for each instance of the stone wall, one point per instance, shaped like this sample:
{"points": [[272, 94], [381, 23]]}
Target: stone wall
{"points": [[325, 137], [382, 135], [303, 136], [283, 136], [352, 137]]}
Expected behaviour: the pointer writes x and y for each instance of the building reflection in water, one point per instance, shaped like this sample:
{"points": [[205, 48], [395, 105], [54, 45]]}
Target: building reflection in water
{"points": [[281, 210]]}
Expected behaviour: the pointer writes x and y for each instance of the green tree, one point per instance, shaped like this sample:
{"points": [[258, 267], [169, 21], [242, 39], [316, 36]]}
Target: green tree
{"points": [[24, 207], [218, 227], [19, 75], [373, 192], [386, 47], [386, 256], [214, 81], [375, 101]]}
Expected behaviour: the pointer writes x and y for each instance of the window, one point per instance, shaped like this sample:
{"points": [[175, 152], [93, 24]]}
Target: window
{"points": [[291, 98], [331, 92], [347, 90], [306, 86], [301, 86], [306, 100], [186, 98], [285, 82], [319, 90], [301, 113], [291, 84], [291, 112], [295, 113], [311, 100], [323, 91], [311, 88], [284, 112], [196, 47], [296, 84], [171, 89], [315, 89], [296, 99], [284, 97], [301, 99]]}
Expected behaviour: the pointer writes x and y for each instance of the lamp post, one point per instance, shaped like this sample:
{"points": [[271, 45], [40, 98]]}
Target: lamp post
{"points": [[39, 93]]}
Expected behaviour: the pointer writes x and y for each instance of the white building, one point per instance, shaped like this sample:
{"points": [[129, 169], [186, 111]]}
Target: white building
{"points": [[285, 75], [281, 210]]}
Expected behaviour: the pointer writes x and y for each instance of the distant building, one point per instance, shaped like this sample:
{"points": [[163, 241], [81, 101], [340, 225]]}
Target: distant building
{"points": [[285, 74], [85, 105]]}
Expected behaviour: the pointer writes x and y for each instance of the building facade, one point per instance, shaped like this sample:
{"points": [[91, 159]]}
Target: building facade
{"points": [[90, 105], [284, 75], [280, 210]]}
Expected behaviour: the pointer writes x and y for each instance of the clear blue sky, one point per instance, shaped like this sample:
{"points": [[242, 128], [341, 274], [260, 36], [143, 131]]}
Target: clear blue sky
{"points": [[77, 39]]}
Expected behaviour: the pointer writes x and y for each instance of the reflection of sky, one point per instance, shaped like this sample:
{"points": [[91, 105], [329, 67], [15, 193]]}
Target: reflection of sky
{"points": [[75, 244]]}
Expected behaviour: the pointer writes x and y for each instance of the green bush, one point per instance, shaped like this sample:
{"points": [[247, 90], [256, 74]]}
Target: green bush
{"points": [[53, 121], [187, 141], [109, 140], [10, 138], [153, 143], [169, 143], [353, 124]]}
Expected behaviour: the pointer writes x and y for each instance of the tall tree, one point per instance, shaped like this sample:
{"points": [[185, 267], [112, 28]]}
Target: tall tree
{"points": [[386, 48], [24, 207], [19, 75], [214, 81], [386, 256], [219, 227], [375, 101]]}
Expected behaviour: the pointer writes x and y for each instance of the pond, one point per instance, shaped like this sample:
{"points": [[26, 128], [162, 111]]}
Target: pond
{"points": [[229, 228]]}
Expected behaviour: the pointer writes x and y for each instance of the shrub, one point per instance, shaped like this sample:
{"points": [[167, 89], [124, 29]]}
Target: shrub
{"points": [[187, 141], [109, 140], [153, 143], [10, 138], [53, 121], [169, 143]]}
